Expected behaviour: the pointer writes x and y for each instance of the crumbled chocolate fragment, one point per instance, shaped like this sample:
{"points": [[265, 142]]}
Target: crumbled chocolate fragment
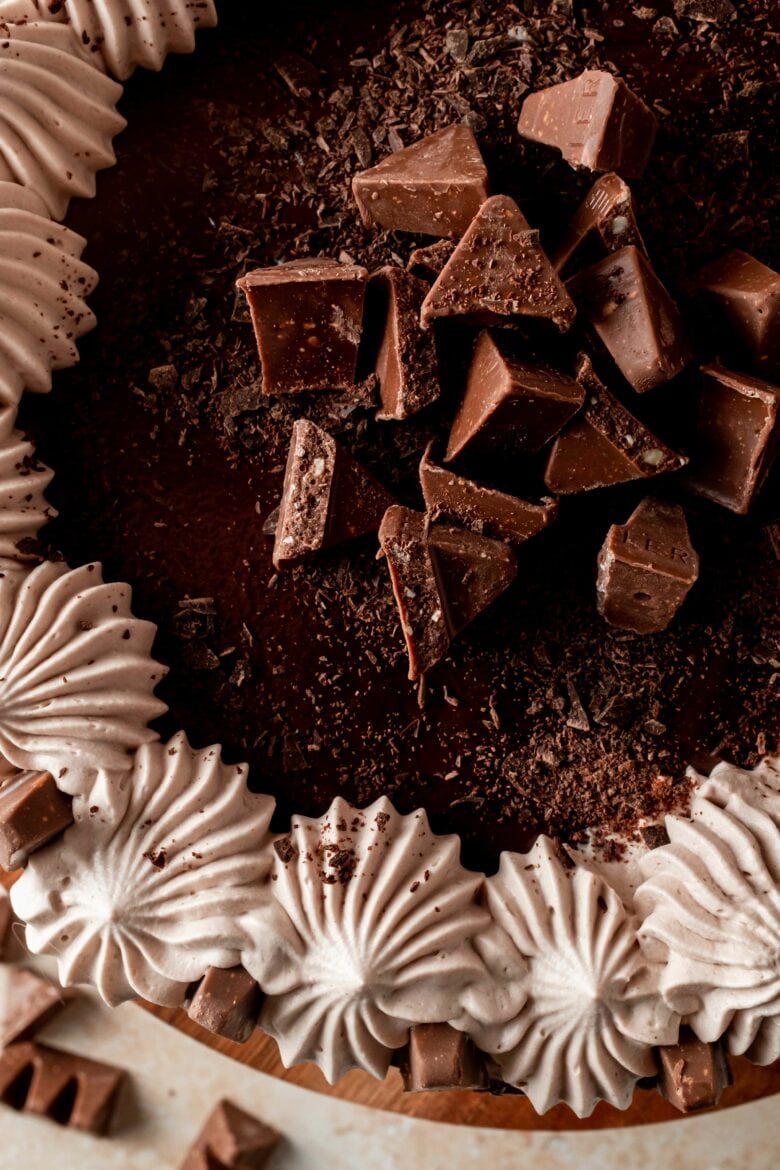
{"points": [[327, 498], [227, 1002], [692, 1073], [231, 1139], [299, 75], [482, 509], [606, 215], [499, 271], [635, 318], [737, 435], [271, 522], [285, 850], [654, 836], [434, 187], [428, 262], [510, 405], [595, 121], [32, 812], [70, 1090], [646, 568], [438, 1058], [746, 296], [708, 11], [307, 317], [605, 444], [406, 364]]}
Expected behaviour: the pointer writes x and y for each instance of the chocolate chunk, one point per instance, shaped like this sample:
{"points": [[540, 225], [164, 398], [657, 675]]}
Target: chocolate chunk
{"points": [[434, 187], [328, 497], [606, 215], [605, 444], [428, 262], [646, 568], [32, 812], [227, 1002], [232, 1139], [6, 923], [499, 271], [635, 318], [707, 11], [595, 121], [70, 1090], [442, 577], [490, 513], [439, 1057], [307, 317], [30, 1002], [692, 1073], [406, 363], [737, 432], [299, 75], [510, 405], [746, 295]]}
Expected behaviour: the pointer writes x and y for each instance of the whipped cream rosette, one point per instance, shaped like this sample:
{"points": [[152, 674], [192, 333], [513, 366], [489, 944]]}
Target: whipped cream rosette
{"points": [[147, 889], [23, 481], [711, 901], [591, 1012], [381, 915]]}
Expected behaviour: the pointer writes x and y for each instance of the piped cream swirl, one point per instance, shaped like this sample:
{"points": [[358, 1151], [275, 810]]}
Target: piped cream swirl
{"points": [[23, 481]]}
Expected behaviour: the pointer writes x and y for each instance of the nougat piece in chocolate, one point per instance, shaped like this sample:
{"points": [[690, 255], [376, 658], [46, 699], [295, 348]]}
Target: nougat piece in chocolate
{"points": [[482, 509], [595, 121], [737, 435], [692, 1073], [32, 812], [439, 1057], [509, 404], [406, 364], [499, 271], [328, 497], [434, 187], [635, 318], [307, 316], [605, 217], [35, 1078], [646, 568], [746, 296], [30, 1001], [428, 262], [605, 444], [227, 1002], [233, 1139]]}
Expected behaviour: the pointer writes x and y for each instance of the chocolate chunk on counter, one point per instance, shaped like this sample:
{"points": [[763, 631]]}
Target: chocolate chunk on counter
{"points": [[635, 318], [231, 1139], [746, 296], [434, 187], [737, 434], [510, 405], [70, 1090], [32, 812], [692, 1073], [606, 216], [328, 498], [307, 316], [442, 578], [227, 1002], [428, 262], [605, 444], [30, 1002], [6, 922], [406, 364], [499, 271], [595, 121], [482, 509], [439, 1057], [646, 568]]}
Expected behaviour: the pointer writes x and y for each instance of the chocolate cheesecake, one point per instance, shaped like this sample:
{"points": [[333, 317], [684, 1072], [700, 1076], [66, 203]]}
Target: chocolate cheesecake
{"points": [[483, 545]]}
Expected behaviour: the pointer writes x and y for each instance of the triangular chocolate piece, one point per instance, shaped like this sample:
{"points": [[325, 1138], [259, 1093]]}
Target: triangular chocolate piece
{"points": [[428, 262], [483, 510], [594, 120], [234, 1139], [746, 294], [605, 444], [30, 1002], [406, 363], [606, 215], [433, 187], [499, 271], [327, 498], [442, 578]]}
